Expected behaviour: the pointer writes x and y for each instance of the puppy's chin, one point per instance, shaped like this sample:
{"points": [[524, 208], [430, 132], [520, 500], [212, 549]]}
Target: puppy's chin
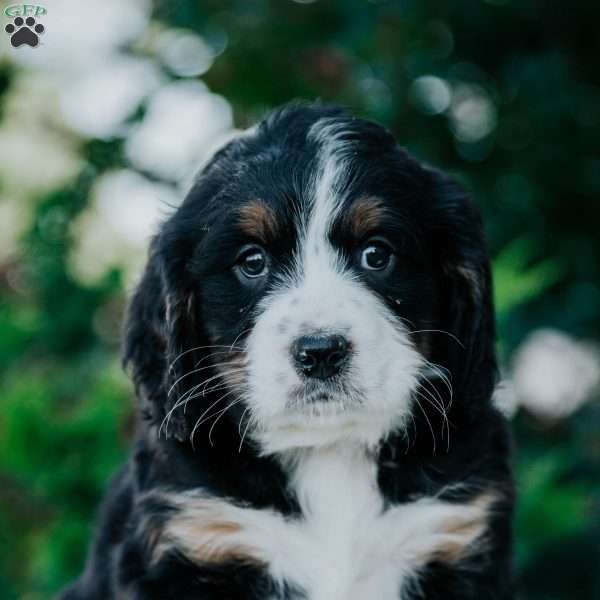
{"points": [[325, 423]]}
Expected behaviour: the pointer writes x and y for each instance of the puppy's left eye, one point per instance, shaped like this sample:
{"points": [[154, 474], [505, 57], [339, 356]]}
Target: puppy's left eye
{"points": [[252, 262], [376, 256]]}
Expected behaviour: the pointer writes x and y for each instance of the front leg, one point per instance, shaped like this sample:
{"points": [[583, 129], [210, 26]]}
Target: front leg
{"points": [[190, 545], [183, 546], [483, 575], [174, 577]]}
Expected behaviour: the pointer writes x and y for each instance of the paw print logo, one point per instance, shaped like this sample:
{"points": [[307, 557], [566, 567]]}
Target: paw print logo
{"points": [[24, 31]]}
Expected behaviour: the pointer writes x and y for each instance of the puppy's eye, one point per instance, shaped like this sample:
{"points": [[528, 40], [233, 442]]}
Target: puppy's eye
{"points": [[252, 262], [376, 256]]}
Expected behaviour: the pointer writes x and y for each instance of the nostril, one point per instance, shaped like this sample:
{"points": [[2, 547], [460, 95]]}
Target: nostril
{"points": [[306, 359], [336, 359], [338, 352]]}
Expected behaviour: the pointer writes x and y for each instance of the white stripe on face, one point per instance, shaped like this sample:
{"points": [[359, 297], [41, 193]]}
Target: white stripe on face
{"points": [[322, 295], [318, 255]]}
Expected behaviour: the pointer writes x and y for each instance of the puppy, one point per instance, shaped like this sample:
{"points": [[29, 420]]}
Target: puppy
{"points": [[312, 343]]}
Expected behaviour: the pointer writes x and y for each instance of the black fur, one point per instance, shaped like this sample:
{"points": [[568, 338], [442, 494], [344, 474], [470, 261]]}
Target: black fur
{"points": [[189, 298]]}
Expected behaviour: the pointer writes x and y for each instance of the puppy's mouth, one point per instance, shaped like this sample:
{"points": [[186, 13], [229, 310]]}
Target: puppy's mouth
{"points": [[329, 397], [321, 414], [319, 397]]}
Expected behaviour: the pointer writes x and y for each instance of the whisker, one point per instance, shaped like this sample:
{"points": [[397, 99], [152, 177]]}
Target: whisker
{"points": [[201, 419], [221, 375], [215, 388], [438, 372], [213, 354], [236, 401], [428, 422], [241, 420], [180, 355], [245, 432], [434, 394], [430, 402], [435, 398], [441, 409], [406, 321], [192, 394], [189, 395], [240, 335], [205, 383], [193, 371]]}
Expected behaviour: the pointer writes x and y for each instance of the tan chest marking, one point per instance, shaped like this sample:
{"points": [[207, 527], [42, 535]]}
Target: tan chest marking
{"points": [[345, 540]]}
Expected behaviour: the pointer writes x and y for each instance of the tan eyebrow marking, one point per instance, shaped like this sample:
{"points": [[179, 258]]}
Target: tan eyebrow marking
{"points": [[258, 220], [365, 215]]}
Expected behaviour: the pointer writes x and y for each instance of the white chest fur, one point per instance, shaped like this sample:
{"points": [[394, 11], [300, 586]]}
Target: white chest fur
{"points": [[346, 544], [338, 538]]}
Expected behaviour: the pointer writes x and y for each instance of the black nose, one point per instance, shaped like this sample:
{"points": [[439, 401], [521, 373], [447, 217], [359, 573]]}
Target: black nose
{"points": [[320, 356]]}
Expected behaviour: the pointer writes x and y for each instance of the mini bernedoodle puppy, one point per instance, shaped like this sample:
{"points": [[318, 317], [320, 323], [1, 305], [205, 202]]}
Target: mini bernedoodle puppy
{"points": [[312, 343]]}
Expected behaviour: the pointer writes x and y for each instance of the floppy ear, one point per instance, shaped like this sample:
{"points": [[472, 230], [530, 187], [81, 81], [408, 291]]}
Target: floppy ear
{"points": [[466, 306], [164, 336], [162, 339]]}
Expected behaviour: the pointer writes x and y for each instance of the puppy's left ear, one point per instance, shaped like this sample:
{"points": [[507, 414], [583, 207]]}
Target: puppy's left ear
{"points": [[467, 310]]}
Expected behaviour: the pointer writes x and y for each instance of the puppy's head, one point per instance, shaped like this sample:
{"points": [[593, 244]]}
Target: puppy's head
{"points": [[316, 284]]}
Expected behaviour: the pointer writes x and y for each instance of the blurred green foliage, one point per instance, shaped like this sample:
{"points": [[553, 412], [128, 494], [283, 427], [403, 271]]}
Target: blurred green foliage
{"points": [[66, 410]]}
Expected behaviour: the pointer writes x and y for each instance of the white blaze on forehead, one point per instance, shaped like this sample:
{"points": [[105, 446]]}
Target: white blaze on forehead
{"points": [[326, 202], [320, 278]]}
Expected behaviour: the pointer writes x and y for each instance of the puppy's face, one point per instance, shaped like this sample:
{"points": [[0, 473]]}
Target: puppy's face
{"points": [[312, 268]]}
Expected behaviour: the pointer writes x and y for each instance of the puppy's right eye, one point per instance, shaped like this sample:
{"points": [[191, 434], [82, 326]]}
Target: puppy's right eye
{"points": [[252, 262], [377, 255]]}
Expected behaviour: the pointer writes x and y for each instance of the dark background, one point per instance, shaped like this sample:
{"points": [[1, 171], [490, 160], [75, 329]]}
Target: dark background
{"points": [[503, 93]]}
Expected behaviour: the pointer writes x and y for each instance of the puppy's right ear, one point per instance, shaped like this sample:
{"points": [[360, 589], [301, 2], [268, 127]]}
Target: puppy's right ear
{"points": [[145, 339], [162, 340], [164, 336]]}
